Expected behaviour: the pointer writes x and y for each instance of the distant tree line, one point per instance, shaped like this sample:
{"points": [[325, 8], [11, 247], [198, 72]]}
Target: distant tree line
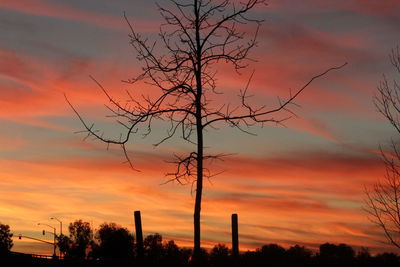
{"points": [[113, 245]]}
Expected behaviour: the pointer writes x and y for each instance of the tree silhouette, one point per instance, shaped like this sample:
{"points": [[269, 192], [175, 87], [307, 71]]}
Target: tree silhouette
{"points": [[153, 248], [174, 256], [341, 251], [383, 199], [364, 257], [219, 256], [387, 260], [6, 242], [197, 38], [298, 256], [80, 238], [336, 255], [114, 243], [159, 253], [273, 254], [64, 244]]}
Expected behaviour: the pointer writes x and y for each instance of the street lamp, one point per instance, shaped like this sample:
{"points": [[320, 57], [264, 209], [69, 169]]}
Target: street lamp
{"points": [[54, 229], [55, 218]]}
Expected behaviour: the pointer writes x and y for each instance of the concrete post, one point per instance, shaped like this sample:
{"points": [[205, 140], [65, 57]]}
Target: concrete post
{"points": [[235, 236], [139, 235]]}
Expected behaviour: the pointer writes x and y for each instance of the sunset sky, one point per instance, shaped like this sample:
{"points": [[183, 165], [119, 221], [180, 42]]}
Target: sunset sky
{"points": [[299, 184]]}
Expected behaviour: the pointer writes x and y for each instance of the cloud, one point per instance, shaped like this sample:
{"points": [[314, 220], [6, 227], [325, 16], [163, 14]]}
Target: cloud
{"points": [[309, 190], [274, 196], [57, 10]]}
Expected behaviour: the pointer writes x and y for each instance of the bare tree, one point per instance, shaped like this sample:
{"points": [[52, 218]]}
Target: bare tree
{"points": [[383, 199], [195, 38]]}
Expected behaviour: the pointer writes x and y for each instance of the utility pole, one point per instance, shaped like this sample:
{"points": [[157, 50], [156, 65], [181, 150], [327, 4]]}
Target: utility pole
{"points": [[55, 218]]}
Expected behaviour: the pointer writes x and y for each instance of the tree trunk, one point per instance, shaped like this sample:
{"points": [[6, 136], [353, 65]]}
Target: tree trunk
{"points": [[199, 129], [199, 191]]}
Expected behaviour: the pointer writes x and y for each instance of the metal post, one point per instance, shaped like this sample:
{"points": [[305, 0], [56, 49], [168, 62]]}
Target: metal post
{"points": [[235, 236], [139, 235], [54, 253], [55, 218]]}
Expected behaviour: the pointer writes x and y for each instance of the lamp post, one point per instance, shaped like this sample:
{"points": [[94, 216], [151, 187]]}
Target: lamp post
{"points": [[54, 233], [55, 218]]}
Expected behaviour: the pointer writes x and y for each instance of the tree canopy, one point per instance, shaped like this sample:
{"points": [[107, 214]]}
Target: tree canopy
{"points": [[6, 242]]}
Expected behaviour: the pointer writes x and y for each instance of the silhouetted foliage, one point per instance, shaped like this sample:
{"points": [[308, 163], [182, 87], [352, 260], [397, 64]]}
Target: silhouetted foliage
{"points": [[273, 254], [332, 251], [79, 240], [336, 255], [383, 198], [64, 244], [364, 258], [162, 253], [175, 256], [153, 248], [220, 256], [387, 260], [114, 243], [6, 242], [168, 254], [298, 256]]}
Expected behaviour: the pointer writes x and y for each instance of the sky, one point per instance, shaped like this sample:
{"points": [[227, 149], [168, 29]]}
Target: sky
{"points": [[301, 183]]}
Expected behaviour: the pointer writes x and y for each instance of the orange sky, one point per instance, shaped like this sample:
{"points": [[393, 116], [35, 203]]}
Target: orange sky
{"points": [[300, 184]]}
